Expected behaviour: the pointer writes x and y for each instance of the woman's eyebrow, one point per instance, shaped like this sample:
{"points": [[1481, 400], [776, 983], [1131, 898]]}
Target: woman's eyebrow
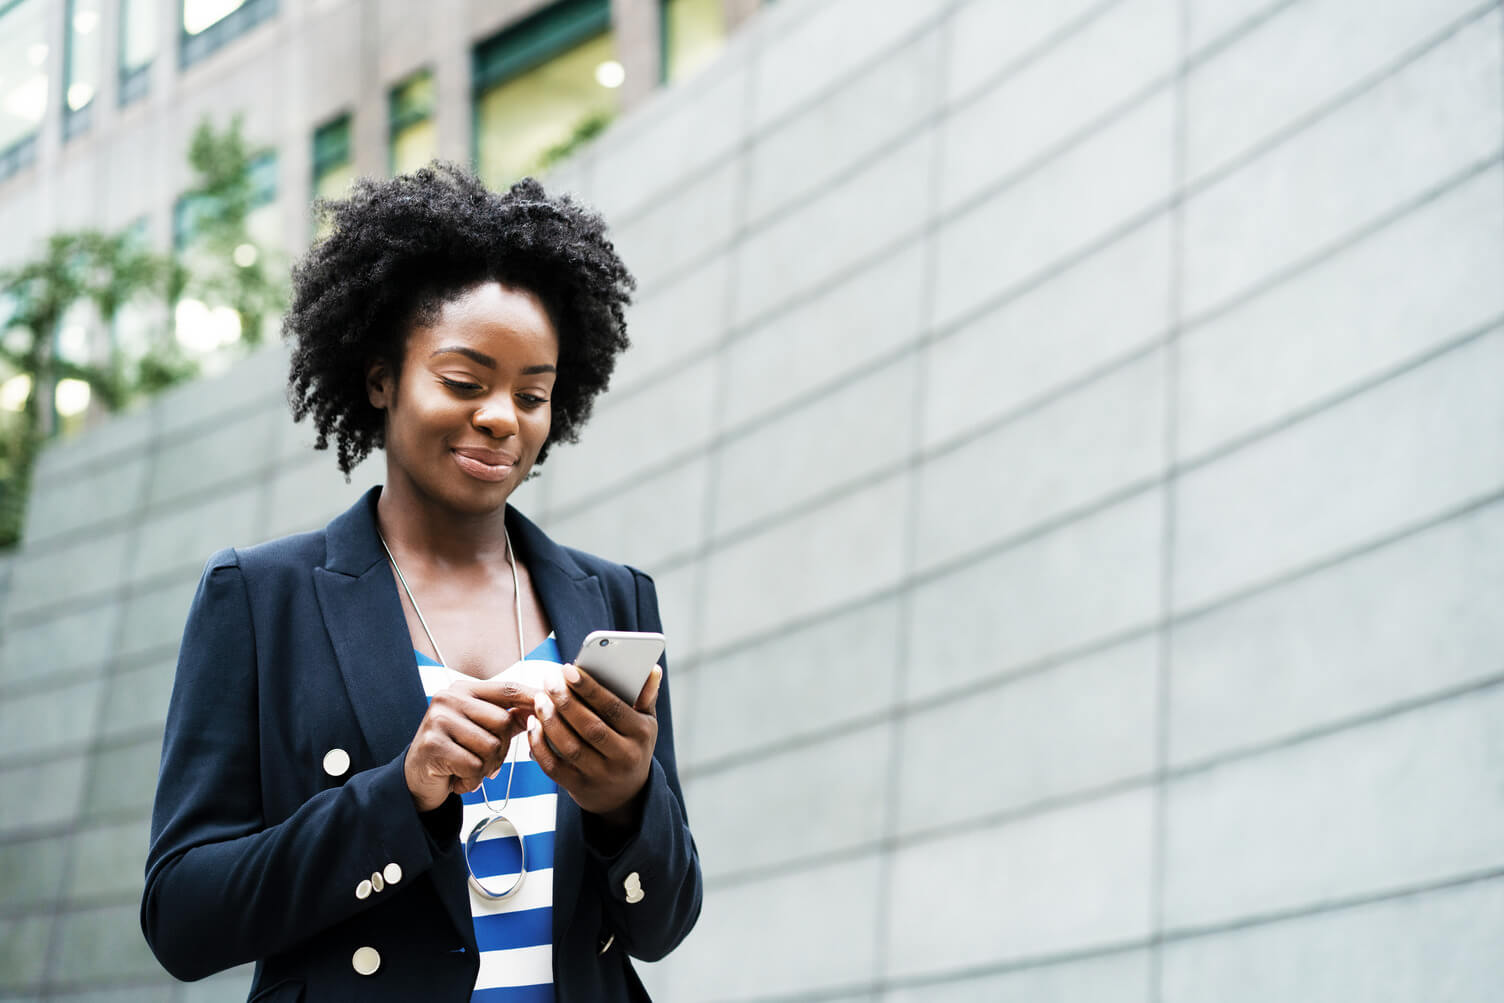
{"points": [[479, 357], [485, 360]]}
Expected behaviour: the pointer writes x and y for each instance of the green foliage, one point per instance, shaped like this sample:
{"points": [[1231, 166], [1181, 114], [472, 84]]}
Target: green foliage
{"points": [[221, 205], [585, 130], [109, 271]]}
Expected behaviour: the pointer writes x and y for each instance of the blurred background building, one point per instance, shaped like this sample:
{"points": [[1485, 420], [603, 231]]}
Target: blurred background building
{"points": [[1067, 436]]}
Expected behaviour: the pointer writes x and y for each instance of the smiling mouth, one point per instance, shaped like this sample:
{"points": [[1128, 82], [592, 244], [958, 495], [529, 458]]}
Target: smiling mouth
{"points": [[483, 465]]}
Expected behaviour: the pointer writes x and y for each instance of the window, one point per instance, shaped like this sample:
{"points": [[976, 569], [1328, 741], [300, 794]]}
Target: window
{"points": [[694, 31], [542, 87], [193, 211], [138, 47], [23, 82], [333, 167], [80, 63], [209, 25], [263, 222], [413, 137]]}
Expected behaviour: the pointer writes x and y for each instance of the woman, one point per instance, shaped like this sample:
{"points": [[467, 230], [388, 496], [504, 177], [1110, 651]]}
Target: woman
{"points": [[322, 754]]}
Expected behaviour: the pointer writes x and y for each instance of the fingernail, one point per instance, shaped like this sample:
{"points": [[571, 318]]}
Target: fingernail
{"points": [[532, 725], [571, 673], [545, 707]]}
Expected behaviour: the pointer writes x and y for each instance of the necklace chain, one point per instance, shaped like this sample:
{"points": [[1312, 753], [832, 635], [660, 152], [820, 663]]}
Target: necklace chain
{"points": [[516, 596], [521, 646]]}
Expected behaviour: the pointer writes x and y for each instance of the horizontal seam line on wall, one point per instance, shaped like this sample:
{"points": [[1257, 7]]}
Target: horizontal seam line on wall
{"points": [[1248, 591], [104, 669], [1265, 145], [99, 743], [1123, 492], [205, 425], [1362, 85], [1107, 949], [999, 681], [74, 823], [810, 105], [107, 900], [1344, 242], [156, 579]]}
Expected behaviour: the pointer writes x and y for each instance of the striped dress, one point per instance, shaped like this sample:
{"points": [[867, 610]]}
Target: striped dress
{"points": [[515, 935]]}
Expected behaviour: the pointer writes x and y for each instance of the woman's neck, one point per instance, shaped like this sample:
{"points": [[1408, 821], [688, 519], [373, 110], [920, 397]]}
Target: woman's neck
{"points": [[418, 525]]}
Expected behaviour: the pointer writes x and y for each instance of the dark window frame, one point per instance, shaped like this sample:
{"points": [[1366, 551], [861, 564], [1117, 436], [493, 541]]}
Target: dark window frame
{"points": [[527, 44], [76, 121], [399, 117], [131, 82], [21, 153], [195, 48]]}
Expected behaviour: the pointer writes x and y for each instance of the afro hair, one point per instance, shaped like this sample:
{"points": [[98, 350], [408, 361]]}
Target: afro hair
{"points": [[398, 250]]}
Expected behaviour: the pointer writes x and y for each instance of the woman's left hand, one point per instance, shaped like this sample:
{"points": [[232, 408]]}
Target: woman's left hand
{"points": [[593, 744]]}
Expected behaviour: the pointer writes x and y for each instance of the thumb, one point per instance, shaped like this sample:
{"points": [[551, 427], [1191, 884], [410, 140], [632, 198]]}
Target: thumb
{"points": [[647, 700]]}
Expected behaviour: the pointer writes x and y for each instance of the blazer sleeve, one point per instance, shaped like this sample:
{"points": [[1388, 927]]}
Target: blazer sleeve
{"points": [[222, 886], [662, 851]]}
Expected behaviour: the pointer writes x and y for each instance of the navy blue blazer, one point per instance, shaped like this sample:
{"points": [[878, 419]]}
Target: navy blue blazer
{"points": [[299, 646]]}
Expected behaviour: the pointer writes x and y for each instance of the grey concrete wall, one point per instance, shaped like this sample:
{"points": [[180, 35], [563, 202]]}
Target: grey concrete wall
{"points": [[1068, 440]]}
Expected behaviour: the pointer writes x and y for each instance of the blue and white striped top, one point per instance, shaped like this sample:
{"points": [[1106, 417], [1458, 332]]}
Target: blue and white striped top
{"points": [[515, 935]]}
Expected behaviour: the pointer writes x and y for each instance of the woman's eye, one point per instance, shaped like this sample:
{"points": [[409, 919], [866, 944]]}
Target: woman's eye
{"points": [[460, 386], [532, 400]]}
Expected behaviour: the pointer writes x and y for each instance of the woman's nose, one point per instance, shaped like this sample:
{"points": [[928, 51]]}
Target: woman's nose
{"points": [[497, 418]]}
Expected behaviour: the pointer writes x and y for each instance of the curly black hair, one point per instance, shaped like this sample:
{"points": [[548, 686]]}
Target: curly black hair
{"points": [[398, 250]]}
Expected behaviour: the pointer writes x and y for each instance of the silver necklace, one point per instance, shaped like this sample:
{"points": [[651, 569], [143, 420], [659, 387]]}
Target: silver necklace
{"points": [[497, 816]]}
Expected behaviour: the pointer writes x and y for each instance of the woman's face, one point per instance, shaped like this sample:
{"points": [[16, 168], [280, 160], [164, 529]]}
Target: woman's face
{"points": [[471, 410]]}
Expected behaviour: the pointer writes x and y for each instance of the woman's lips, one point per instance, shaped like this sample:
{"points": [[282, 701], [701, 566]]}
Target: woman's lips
{"points": [[483, 464]]}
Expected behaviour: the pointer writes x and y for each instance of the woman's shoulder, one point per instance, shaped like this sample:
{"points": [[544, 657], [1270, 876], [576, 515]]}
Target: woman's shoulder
{"points": [[597, 565], [297, 552]]}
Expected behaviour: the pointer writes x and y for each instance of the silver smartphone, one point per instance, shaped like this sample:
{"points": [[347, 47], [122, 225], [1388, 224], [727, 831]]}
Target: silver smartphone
{"points": [[621, 660]]}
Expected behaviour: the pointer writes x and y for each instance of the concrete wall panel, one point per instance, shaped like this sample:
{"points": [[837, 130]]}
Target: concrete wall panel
{"points": [[1434, 118], [1072, 880], [1064, 206], [1408, 450], [1409, 620], [1404, 801], [1108, 60], [1074, 586]]}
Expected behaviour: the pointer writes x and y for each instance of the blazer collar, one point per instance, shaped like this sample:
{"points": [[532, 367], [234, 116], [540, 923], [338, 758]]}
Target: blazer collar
{"points": [[571, 596], [363, 615]]}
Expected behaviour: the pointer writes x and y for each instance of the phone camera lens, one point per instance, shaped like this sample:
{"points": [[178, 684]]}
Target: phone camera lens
{"points": [[605, 641]]}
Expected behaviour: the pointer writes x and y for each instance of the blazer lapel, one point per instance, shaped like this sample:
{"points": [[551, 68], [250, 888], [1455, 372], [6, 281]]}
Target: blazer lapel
{"points": [[363, 615], [575, 606], [365, 622]]}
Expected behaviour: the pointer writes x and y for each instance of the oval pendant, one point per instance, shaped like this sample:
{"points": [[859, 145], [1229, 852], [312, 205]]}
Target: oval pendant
{"points": [[496, 891]]}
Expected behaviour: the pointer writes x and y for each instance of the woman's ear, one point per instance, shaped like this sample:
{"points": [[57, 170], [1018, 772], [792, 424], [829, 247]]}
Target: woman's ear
{"points": [[381, 384]]}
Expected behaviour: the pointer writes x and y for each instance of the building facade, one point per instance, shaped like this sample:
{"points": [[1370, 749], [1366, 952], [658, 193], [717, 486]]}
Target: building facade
{"points": [[1067, 439]]}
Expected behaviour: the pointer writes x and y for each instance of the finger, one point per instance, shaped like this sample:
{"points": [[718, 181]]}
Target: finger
{"points": [[483, 752], [647, 700], [459, 702], [505, 693], [586, 722], [566, 743], [461, 768], [609, 707], [557, 770]]}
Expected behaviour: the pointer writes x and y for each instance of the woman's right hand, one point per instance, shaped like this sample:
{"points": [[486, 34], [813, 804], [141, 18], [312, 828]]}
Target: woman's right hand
{"points": [[464, 736]]}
